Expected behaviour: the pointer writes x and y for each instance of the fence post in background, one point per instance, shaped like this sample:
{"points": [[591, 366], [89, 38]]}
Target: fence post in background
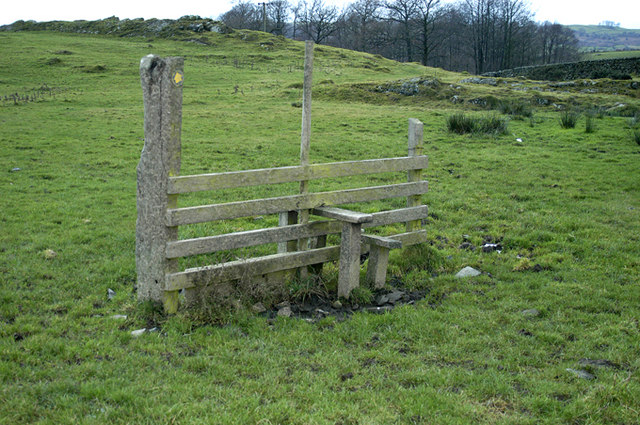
{"points": [[305, 139], [415, 149], [161, 81]]}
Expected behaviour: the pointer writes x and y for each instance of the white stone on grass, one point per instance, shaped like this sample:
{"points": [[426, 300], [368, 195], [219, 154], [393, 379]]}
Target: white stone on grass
{"points": [[468, 272]]}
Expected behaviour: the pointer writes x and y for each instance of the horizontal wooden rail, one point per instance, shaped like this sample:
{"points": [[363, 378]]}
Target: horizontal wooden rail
{"points": [[265, 176], [205, 213], [205, 245], [202, 276]]}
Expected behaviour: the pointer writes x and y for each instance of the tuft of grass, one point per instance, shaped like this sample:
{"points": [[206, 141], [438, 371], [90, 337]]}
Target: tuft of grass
{"points": [[461, 123], [568, 119], [589, 125], [516, 108]]}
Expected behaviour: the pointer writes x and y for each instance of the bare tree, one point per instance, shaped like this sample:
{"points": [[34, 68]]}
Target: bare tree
{"points": [[404, 12], [319, 21], [243, 15], [427, 16], [513, 16], [360, 20], [277, 15]]}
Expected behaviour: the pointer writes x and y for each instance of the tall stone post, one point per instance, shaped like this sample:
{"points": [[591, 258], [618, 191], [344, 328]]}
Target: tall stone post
{"points": [[161, 81]]}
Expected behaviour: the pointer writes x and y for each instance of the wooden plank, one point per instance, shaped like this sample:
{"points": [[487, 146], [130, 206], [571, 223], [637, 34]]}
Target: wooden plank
{"points": [[204, 245], [415, 148], [265, 176], [343, 215], [398, 216], [385, 242], [203, 276], [411, 238], [186, 247], [200, 214]]}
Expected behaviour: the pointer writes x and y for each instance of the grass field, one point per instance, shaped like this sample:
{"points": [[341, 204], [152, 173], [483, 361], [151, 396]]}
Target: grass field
{"points": [[611, 55], [564, 203]]}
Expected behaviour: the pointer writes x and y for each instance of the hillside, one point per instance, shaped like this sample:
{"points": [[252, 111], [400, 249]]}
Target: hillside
{"points": [[546, 334], [603, 38]]}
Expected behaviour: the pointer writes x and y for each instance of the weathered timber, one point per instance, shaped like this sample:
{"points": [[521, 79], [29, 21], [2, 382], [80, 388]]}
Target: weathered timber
{"points": [[376, 274], [200, 214], [343, 215], [161, 81], [415, 149], [202, 276], [349, 267], [208, 244], [205, 245], [287, 218], [411, 238], [385, 241], [266, 176], [379, 258], [239, 269], [305, 140]]}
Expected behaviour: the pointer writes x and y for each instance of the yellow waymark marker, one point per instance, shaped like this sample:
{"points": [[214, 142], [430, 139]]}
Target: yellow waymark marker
{"points": [[178, 78]]}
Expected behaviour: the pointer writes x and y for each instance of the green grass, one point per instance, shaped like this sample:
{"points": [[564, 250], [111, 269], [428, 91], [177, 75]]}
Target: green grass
{"points": [[623, 54], [565, 200]]}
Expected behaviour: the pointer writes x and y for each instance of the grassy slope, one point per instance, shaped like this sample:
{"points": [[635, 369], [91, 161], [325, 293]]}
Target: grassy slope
{"points": [[601, 38], [563, 199]]}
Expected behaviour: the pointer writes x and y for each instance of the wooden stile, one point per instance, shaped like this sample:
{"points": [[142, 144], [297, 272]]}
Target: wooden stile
{"points": [[301, 241]]}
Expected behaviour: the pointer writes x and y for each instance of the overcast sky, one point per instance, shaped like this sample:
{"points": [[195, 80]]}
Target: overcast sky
{"points": [[586, 12]]}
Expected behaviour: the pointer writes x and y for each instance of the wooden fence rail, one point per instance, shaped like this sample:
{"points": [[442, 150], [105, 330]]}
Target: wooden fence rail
{"points": [[158, 248]]}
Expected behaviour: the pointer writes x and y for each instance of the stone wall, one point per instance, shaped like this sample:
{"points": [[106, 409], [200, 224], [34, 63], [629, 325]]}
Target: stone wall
{"points": [[605, 68]]}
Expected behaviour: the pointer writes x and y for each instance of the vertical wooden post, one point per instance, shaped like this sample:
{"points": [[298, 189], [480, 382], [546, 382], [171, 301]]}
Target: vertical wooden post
{"points": [[349, 267], [305, 139], [161, 81], [415, 149]]}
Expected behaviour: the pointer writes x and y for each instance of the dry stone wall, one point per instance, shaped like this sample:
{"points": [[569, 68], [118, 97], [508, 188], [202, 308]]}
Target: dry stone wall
{"points": [[606, 68]]}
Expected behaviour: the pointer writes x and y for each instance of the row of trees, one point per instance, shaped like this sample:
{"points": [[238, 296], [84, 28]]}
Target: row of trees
{"points": [[471, 35]]}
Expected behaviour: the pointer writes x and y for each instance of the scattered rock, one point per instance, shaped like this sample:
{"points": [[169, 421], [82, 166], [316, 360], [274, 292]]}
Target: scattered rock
{"points": [[138, 332], [597, 363], [476, 80], [468, 272], [532, 312], [582, 374], [258, 308], [119, 317], [525, 332], [467, 246], [336, 304], [50, 254], [110, 294], [378, 310], [285, 312], [390, 298], [282, 305], [491, 247], [13, 170]]}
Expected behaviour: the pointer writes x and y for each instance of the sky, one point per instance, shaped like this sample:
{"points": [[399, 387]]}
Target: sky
{"points": [[567, 12]]}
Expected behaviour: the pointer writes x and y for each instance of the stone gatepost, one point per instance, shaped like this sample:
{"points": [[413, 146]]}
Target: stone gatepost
{"points": [[160, 159]]}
